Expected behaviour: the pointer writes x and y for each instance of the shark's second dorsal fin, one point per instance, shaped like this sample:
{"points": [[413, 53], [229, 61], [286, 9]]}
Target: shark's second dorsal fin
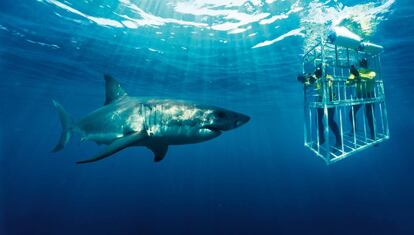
{"points": [[113, 90]]}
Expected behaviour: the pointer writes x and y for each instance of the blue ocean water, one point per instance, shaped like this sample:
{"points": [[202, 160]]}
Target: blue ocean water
{"points": [[238, 54]]}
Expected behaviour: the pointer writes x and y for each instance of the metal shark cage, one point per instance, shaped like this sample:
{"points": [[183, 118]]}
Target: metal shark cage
{"points": [[335, 96]]}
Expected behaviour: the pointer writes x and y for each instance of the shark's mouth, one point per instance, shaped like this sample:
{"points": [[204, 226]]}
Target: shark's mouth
{"points": [[212, 128]]}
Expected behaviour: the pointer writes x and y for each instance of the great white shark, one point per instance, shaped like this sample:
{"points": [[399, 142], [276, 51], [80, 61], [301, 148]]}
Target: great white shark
{"points": [[126, 121]]}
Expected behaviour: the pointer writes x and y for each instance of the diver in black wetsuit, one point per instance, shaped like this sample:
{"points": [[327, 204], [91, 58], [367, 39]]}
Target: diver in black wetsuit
{"points": [[315, 79], [364, 79]]}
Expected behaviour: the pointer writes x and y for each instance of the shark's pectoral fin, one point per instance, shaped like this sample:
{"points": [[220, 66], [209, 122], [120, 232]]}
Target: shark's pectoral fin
{"points": [[117, 146], [159, 151]]}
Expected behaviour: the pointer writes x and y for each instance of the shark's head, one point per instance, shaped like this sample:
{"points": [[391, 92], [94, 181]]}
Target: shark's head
{"points": [[224, 120]]}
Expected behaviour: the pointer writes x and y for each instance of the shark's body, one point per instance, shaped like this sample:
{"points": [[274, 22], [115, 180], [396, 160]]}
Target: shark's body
{"points": [[126, 121]]}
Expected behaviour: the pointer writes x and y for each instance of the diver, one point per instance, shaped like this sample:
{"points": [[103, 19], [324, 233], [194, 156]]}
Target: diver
{"points": [[364, 80], [316, 79]]}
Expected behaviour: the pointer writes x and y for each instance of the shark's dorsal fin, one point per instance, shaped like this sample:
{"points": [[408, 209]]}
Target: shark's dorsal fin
{"points": [[113, 90]]}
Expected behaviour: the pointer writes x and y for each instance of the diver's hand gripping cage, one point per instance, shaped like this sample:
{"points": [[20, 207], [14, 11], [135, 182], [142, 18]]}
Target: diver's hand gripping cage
{"points": [[343, 116]]}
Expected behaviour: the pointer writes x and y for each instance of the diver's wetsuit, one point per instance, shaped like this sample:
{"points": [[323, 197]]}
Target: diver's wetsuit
{"points": [[315, 80], [332, 124], [364, 91], [369, 113]]}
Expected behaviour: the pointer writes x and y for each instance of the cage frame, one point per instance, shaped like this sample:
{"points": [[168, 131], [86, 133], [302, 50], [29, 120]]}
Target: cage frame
{"points": [[331, 59]]}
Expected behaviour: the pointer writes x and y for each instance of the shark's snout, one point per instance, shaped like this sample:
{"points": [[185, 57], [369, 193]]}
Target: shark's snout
{"points": [[228, 120], [242, 119]]}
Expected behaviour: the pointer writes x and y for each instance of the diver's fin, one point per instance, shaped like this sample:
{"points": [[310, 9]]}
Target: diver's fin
{"points": [[67, 126], [116, 146], [113, 90], [159, 151]]}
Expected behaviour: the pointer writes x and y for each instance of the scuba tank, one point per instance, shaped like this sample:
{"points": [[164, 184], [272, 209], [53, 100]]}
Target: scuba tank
{"points": [[341, 36], [371, 48]]}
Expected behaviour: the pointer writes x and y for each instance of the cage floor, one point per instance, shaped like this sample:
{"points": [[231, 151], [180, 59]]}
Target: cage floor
{"points": [[351, 144]]}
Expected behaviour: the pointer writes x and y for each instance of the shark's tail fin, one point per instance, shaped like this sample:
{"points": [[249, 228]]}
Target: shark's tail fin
{"points": [[67, 127]]}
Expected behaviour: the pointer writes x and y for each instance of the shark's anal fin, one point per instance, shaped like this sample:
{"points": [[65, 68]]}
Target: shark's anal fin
{"points": [[116, 146], [113, 90], [159, 151]]}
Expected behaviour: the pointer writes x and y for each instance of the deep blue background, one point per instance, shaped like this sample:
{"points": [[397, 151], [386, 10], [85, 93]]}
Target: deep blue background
{"points": [[258, 179]]}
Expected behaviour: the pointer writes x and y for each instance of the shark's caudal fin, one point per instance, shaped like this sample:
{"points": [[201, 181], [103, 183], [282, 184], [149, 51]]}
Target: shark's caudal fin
{"points": [[67, 126], [113, 90]]}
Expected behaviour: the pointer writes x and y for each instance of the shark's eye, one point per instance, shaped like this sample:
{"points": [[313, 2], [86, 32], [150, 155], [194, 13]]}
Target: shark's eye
{"points": [[221, 114]]}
